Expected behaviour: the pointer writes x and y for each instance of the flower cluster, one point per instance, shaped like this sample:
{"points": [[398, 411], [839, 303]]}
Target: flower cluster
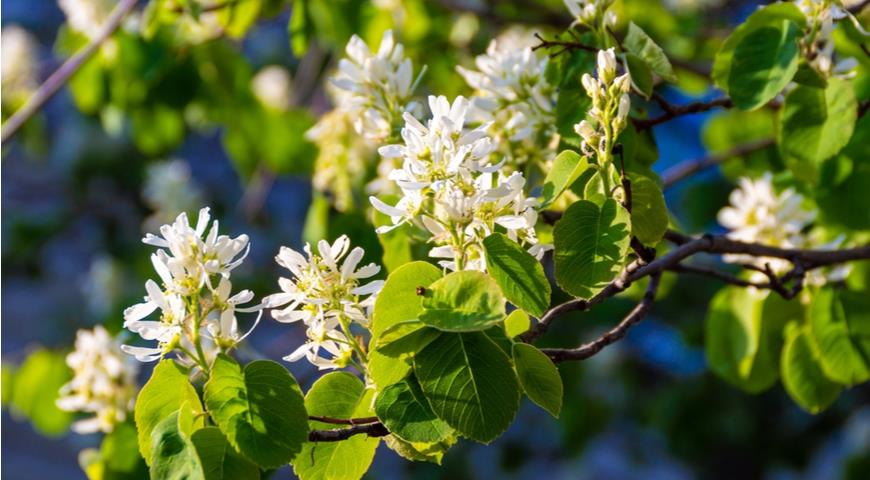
{"points": [[818, 44], [103, 383], [379, 86], [610, 107], [758, 214], [18, 69], [512, 94], [592, 14], [450, 188], [196, 316], [86, 16], [328, 294]]}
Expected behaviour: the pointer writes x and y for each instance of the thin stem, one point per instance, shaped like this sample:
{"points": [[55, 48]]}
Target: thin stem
{"points": [[64, 72], [370, 429]]}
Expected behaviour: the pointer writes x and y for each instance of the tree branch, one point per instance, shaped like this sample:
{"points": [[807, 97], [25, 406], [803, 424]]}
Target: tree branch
{"points": [[565, 45], [64, 72], [613, 335], [344, 421], [691, 167], [370, 429], [674, 111]]}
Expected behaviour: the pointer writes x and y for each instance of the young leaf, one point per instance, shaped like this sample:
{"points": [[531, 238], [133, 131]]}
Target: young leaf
{"points": [[166, 391], [219, 460], [802, 376], [469, 383], [641, 75], [406, 413], [516, 324], [404, 339], [259, 409], [238, 17], [539, 377], [816, 123], [764, 62], [463, 301], [420, 451], [639, 43], [591, 245], [520, 276], [337, 395], [567, 168], [173, 454], [649, 214], [841, 355], [35, 391]]}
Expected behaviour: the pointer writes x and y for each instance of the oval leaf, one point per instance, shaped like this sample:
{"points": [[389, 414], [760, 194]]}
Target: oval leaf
{"points": [[539, 377], [462, 302], [649, 214], [406, 413], [520, 276], [802, 376], [840, 347], [259, 409], [764, 62], [639, 43], [567, 168], [173, 454], [219, 459]]}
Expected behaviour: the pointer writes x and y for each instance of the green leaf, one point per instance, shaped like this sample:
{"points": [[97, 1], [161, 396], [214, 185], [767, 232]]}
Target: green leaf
{"points": [[517, 323], [219, 460], [567, 168], [406, 413], [35, 388], [649, 214], [639, 43], [404, 339], [802, 376], [591, 244], [259, 409], [743, 336], [299, 28], [469, 383], [119, 453], [337, 395], [173, 455], [420, 451], [841, 355], [539, 377], [764, 62], [815, 124], [166, 391], [397, 302], [237, 17], [520, 276], [463, 301], [641, 75], [771, 15]]}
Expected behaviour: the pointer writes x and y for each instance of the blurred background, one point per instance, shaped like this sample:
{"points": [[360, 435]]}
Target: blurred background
{"points": [[116, 155]]}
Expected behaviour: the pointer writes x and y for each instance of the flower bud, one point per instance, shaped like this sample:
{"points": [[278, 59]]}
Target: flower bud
{"points": [[606, 66], [623, 83], [590, 85], [585, 130]]}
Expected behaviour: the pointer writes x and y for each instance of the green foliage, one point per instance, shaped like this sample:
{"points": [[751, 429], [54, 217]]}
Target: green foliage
{"points": [[567, 168], [406, 413], [591, 243], [164, 393], [638, 43], [173, 455], [802, 375], [842, 341], [517, 323], [33, 390], [470, 384], [219, 460], [260, 409], [641, 74], [649, 214], [539, 377], [463, 301], [816, 124], [520, 276], [337, 395]]}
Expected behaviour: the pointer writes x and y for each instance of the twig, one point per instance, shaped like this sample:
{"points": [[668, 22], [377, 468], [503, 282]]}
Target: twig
{"points": [[344, 421], [690, 167], [613, 335], [674, 111], [774, 283], [565, 45], [64, 72], [339, 434]]}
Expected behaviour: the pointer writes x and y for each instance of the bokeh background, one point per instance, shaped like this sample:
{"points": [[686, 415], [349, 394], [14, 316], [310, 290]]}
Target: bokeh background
{"points": [[79, 191]]}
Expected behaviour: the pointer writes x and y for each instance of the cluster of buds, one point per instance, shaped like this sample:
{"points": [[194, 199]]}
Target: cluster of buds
{"points": [[592, 14], [450, 188], [103, 383], [818, 43], [610, 107], [328, 296], [197, 307]]}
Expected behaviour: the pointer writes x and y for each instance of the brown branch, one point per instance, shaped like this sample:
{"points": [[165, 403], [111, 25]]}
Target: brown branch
{"points": [[674, 111], [64, 72], [336, 435], [344, 421], [613, 335], [774, 283], [564, 45], [857, 8], [691, 167]]}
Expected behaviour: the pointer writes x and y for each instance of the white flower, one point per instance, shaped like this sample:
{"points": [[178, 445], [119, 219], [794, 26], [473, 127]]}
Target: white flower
{"points": [[818, 44], [87, 16], [379, 86], [169, 190], [327, 293], [591, 13], [18, 61], [512, 95], [103, 383], [272, 86], [611, 105]]}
